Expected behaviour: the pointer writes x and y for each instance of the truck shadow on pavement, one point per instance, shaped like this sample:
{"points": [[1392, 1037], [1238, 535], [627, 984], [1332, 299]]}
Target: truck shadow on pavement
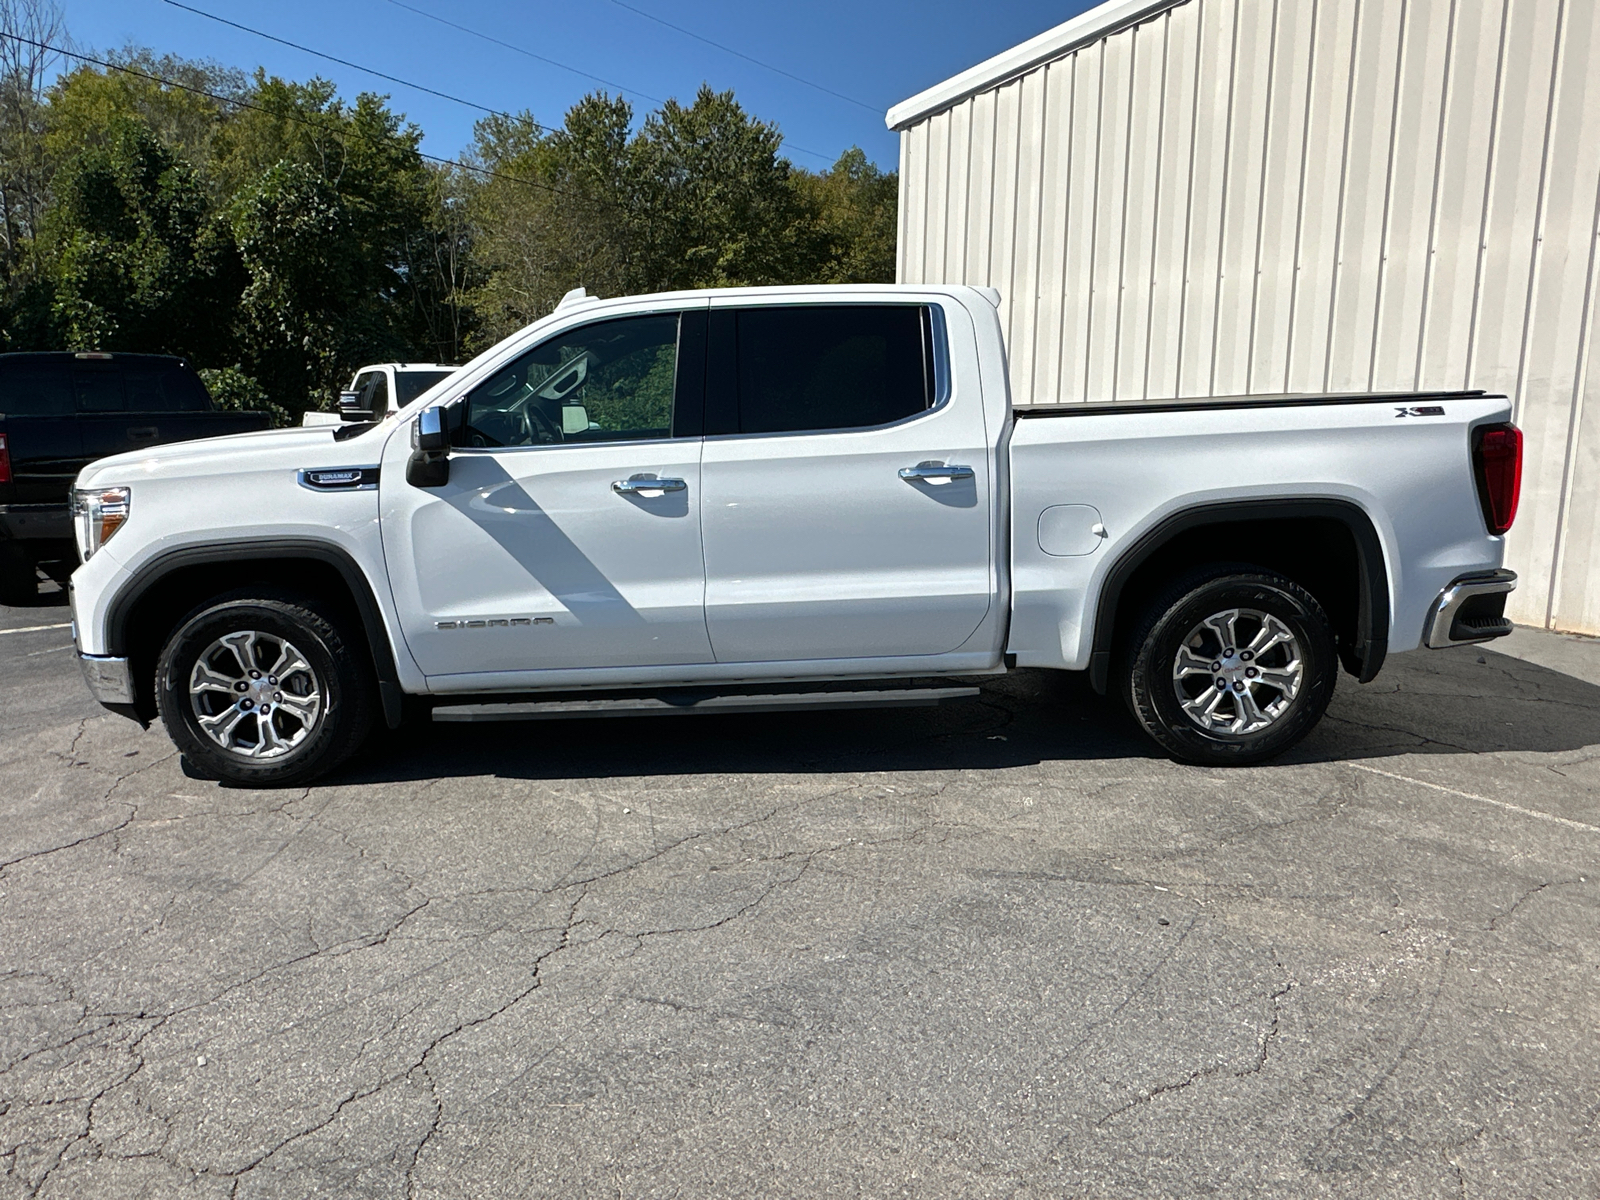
{"points": [[1463, 701]]}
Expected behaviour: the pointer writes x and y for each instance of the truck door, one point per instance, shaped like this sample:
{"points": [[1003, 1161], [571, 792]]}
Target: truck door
{"points": [[568, 535], [846, 505]]}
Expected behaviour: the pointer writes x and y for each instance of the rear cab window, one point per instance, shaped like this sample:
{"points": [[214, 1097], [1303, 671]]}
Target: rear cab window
{"points": [[408, 385], [137, 384], [810, 368]]}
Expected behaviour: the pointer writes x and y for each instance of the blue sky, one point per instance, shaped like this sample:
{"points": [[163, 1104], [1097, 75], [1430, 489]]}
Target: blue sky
{"points": [[877, 53]]}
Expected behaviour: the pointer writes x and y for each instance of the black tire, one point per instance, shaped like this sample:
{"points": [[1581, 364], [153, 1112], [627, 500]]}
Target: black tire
{"points": [[1289, 699], [323, 713], [19, 581]]}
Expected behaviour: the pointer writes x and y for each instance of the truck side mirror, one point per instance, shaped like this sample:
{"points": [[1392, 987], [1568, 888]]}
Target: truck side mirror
{"points": [[430, 445], [353, 406], [574, 419]]}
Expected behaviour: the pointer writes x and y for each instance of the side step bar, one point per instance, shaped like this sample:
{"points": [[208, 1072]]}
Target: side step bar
{"points": [[657, 706]]}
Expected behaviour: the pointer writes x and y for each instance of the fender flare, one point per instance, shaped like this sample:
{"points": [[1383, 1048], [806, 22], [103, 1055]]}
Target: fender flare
{"points": [[1372, 614], [158, 568]]}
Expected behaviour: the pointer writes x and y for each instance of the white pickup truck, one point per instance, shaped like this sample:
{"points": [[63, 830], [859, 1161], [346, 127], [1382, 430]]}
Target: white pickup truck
{"points": [[377, 388], [762, 498]]}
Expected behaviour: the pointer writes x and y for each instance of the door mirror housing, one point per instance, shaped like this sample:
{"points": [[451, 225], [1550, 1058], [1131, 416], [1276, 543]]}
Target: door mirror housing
{"points": [[430, 444], [431, 433], [574, 419], [353, 406]]}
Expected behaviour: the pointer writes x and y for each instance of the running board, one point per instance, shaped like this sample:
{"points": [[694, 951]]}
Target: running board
{"points": [[656, 706]]}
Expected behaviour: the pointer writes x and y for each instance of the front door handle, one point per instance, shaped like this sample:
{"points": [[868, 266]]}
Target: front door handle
{"points": [[934, 472], [637, 484]]}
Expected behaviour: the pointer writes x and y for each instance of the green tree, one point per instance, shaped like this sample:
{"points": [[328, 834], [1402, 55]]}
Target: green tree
{"points": [[855, 208], [715, 204], [554, 215], [352, 246], [140, 264], [88, 104]]}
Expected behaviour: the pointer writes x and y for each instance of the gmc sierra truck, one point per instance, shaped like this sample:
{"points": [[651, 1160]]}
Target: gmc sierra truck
{"points": [[769, 498], [60, 411]]}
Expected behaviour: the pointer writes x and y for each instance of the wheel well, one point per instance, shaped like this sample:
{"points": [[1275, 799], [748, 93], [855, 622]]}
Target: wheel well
{"points": [[158, 608], [1334, 556]]}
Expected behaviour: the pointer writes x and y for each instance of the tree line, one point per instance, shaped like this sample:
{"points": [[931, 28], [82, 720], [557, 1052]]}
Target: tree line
{"points": [[278, 236]]}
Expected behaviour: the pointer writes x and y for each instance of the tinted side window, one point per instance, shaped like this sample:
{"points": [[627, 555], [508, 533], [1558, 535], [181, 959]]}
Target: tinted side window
{"points": [[378, 400], [607, 382], [845, 366], [98, 387], [411, 384], [34, 388]]}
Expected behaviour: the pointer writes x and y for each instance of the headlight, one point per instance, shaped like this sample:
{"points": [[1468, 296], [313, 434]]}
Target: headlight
{"points": [[97, 513]]}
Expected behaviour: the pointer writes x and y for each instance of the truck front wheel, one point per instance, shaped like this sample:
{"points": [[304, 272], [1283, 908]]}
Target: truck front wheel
{"points": [[263, 690], [1231, 666]]}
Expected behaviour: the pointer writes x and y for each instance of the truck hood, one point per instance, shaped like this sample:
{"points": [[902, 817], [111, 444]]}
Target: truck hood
{"points": [[238, 453]]}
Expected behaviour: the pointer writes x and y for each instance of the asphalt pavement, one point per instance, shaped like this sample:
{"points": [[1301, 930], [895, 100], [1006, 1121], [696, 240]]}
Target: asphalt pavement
{"points": [[997, 949]]}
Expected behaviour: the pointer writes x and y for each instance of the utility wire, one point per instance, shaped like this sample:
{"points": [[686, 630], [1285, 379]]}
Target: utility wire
{"points": [[872, 108], [343, 62], [526, 53], [282, 115]]}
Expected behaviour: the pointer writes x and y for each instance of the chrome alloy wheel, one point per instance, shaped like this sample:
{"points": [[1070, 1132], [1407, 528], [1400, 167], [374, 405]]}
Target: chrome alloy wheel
{"points": [[1238, 671], [254, 694]]}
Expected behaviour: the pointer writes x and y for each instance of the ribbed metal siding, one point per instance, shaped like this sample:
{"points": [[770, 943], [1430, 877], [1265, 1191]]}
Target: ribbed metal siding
{"points": [[1301, 195]]}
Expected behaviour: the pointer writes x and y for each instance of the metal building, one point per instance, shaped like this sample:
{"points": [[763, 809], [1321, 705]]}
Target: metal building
{"points": [[1211, 197]]}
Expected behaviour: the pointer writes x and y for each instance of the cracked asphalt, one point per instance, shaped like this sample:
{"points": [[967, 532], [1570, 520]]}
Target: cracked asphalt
{"points": [[998, 949]]}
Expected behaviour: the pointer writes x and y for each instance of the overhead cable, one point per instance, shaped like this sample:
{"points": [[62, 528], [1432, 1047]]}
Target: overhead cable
{"points": [[344, 62], [526, 53], [872, 108]]}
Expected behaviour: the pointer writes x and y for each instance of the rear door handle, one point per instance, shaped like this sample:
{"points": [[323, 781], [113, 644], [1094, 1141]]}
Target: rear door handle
{"points": [[637, 484], [934, 472], [143, 433]]}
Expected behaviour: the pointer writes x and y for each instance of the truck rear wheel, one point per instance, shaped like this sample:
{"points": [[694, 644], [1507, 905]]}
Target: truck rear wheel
{"points": [[1232, 666], [263, 690]]}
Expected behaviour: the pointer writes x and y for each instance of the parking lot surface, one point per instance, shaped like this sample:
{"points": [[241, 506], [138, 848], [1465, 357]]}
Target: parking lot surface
{"points": [[997, 949]]}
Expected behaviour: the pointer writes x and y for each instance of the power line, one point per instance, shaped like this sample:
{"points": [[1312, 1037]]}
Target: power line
{"points": [[343, 62], [283, 115], [872, 108], [526, 53]]}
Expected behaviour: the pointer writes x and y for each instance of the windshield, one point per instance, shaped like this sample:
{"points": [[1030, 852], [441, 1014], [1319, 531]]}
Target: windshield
{"points": [[410, 384]]}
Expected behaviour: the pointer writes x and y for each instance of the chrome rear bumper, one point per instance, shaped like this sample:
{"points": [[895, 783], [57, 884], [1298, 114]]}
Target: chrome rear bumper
{"points": [[1471, 609]]}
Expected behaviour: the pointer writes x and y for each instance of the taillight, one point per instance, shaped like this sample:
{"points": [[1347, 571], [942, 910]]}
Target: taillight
{"points": [[5, 461], [1497, 461]]}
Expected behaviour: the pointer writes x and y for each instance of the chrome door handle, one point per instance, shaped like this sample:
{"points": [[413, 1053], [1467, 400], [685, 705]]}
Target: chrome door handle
{"points": [[933, 472], [635, 484]]}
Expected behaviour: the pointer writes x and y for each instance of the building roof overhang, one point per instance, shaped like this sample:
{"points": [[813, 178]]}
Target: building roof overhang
{"points": [[1100, 21]]}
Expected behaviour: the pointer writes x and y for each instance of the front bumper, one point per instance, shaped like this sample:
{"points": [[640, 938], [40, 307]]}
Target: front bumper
{"points": [[109, 679], [1472, 609]]}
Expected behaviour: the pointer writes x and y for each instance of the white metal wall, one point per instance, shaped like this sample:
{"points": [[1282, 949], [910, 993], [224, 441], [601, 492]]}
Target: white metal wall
{"points": [[1301, 195]]}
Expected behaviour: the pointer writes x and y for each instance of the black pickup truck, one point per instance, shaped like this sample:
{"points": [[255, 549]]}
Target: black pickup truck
{"points": [[60, 411]]}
